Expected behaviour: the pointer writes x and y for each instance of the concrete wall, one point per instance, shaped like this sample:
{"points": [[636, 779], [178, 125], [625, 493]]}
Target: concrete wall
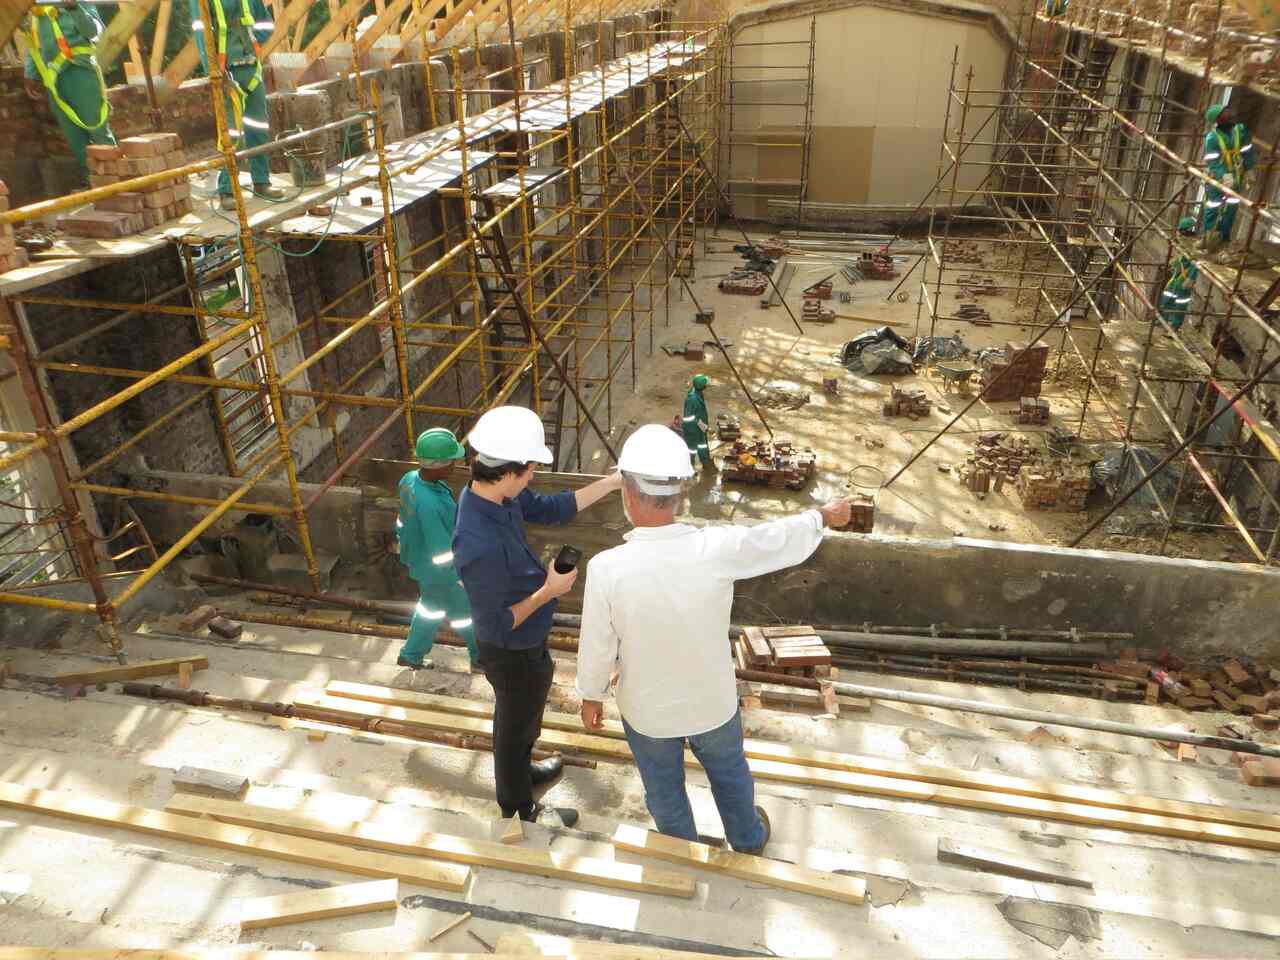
{"points": [[881, 72]]}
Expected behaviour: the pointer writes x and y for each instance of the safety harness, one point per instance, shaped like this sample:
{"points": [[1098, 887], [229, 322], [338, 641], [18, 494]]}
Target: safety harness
{"points": [[1231, 155], [1180, 274], [66, 54], [237, 94]]}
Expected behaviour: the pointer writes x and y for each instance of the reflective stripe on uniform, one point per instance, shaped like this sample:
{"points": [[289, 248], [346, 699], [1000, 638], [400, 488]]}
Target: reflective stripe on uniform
{"points": [[256, 124], [1212, 156], [1246, 148], [1184, 299], [1213, 203], [690, 419], [440, 559], [422, 611], [460, 624], [1233, 200]]}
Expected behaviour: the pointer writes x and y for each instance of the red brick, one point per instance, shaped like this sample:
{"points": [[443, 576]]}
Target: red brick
{"points": [[152, 219], [1236, 673], [155, 199], [1261, 773], [184, 207], [99, 224], [161, 142], [1265, 721], [100, 180], [121, 203], [7, 244], [182, 189], [138, 147], [102, 152]]}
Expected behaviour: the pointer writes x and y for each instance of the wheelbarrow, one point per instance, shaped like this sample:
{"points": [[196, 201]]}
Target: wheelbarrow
{"points": [[955, 375]]}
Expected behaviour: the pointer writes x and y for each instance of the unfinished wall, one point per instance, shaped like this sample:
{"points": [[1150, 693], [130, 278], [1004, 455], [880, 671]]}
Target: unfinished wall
{"points": [[880, 77]]}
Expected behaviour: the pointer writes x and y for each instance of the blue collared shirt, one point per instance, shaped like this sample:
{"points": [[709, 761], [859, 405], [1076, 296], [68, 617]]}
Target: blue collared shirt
{"points": [[497, 567]]}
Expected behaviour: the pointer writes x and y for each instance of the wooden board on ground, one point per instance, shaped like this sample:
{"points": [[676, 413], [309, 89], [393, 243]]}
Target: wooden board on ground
{"points": [[743, 866], [804, 757], [200, 780], [455, 922], [339, 901], [133, 671], [1022, 865], [405, 835], [332, 856]]}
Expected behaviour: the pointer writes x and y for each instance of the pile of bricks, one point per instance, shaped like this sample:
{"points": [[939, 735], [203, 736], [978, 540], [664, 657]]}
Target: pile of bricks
{"points": [[820, 290], [907, 402], [813, 311], [144, 209], [1025, 366], [1053, 485], [795, 651], [974, 314], [1033, 410], [728, 426], [750, 283], [978, 286], [1237, 685], [963, 251], [996, 457], [877, 266], [862, 513], [12, 256], [777, 464]]}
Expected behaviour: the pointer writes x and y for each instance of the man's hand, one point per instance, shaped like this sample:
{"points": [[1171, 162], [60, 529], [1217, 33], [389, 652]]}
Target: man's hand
{"points": [[702, 426], [614, 480], [836, 513], [592, 715], [34, 88], [558, 584]]}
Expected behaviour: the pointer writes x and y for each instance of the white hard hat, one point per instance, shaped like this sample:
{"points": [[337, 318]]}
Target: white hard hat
{"points": [[510, 435], [657, 459]]}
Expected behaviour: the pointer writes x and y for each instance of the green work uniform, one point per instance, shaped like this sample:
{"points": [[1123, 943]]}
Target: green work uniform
{"points": [[694, 426], [1231, 154], [70, 73], [1175, 299], [238, 27], [425, 529]]}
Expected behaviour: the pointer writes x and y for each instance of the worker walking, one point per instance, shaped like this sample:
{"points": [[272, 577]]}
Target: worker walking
{"points": [[62, 61], [656, 611], [695, 420], [238, 29], [513, 597], [425, 531], [1175, 299], [1229, 156]]}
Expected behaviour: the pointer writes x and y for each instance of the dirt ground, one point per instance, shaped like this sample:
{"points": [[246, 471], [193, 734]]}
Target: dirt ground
{"points": [[848, 431]]}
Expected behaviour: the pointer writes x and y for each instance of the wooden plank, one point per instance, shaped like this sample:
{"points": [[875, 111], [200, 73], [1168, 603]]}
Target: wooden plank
{"points": [[514, 832], [404, 835], [12, 13], [922, 773], [455, 922], [1010, 863], [339, 901], [161, 36], [758, 645], [200, 779], [743, 866], [332, 856], [785, 630], [332, 30], [128, 18], [388, 17], [790, 659], [134, 671]]}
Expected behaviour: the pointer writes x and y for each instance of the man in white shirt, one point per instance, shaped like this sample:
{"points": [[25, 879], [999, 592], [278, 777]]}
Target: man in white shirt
{"points": [[656, 609]]}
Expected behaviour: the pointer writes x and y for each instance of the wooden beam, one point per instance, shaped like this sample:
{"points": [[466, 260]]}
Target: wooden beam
{"points": [[129, 17], [403, 834], [853, 763], [340, 901], [332, 30], [134, 671], [1013, 864], [293, 13], [161, 36], [743, 866], [791, 770], [387, 18], [331, 856], [12, 13]]}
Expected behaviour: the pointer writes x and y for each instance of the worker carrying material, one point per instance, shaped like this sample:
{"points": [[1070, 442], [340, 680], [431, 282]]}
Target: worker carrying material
{"points": [[1229, 156], [425, 531], [238, 29], [656, 611], [62, 61], [513, 597], [694, 421], [1175, 299]]}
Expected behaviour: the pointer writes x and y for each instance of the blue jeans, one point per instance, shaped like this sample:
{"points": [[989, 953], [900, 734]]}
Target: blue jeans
{"points": [[661, 765]]}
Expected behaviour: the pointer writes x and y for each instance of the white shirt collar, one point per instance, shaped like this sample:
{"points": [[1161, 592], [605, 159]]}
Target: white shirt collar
{"points": [[665, 532]]}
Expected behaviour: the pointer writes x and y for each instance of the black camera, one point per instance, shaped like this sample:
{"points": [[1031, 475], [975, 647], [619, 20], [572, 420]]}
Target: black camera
{"points": [[567, 558]]}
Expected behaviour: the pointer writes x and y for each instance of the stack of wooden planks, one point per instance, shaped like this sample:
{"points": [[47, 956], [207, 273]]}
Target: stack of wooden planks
{"points": [[792, 650]]}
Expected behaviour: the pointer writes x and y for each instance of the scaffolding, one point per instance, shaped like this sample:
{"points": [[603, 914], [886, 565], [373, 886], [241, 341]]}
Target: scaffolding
{"points": [[566, 195], [1095, 154]]}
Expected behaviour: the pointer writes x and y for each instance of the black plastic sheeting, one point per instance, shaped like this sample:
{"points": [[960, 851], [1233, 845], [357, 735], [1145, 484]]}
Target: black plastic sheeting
{"points": [[877, 351]]}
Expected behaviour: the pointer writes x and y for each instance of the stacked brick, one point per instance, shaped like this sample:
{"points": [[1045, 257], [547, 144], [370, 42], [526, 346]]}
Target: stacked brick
{"points": [[1026, 368], [19, 122], [907, 402], [12, 256], [862, 513], [792, 650], [131, 212], [1053, 485], [1033, 410], [996, 457]]}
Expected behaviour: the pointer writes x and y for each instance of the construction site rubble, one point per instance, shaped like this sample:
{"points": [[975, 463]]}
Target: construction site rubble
{"points": [[777, 464], [812, 311], [1042, 480], [907, 402]]}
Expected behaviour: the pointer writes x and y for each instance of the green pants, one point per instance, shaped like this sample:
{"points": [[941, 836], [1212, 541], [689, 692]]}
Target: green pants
{"points": [[696, 440], [436, 604], [79, 88], [254, 129]]}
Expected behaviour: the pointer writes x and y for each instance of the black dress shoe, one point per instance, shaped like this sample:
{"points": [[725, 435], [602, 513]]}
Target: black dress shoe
{"points": [[568, 816], [424, 665], [544, 771]]}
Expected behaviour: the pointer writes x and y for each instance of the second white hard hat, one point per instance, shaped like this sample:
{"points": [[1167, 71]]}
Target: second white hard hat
{"points": [[510, 435], [656, 453]]}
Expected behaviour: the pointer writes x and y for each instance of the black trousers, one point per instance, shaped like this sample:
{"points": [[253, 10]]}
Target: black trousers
{"points": [[521, 680]]}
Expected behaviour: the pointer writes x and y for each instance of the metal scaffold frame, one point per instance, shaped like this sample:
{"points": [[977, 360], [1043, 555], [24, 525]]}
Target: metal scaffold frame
{"points": [[576, 203], [1096, 154]]}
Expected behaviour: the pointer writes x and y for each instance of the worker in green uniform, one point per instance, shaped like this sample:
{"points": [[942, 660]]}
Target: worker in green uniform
{"points": [[61, 62], [425, 532], [1054, 8], [694, 422], [1229, 156], [238, 27], [1175, 299]]}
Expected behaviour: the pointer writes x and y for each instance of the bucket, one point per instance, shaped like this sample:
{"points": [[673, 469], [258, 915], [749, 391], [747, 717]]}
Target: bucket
{"points": [[306, 166]]}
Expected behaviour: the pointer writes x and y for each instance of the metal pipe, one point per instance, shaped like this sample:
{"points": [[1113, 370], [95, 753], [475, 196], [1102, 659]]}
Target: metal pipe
{"points": [[1016, 713]]}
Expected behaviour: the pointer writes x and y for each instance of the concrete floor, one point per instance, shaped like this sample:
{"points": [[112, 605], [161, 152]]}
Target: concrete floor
{"points": [[67, 884]]}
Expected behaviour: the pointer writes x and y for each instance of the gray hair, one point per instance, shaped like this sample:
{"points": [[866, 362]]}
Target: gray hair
{"points": [[643, 489]]}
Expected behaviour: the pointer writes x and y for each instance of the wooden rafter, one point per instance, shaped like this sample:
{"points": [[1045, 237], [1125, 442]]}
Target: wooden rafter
{"points": [[161, 36], [11, 14], [333, 29], [387, 19], [129, 17]]}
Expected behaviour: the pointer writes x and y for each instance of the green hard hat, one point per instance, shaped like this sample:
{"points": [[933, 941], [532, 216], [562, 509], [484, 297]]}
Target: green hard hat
{"points": [[1214, 112], [438, 444], [1187, 225], [700, 381]]}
